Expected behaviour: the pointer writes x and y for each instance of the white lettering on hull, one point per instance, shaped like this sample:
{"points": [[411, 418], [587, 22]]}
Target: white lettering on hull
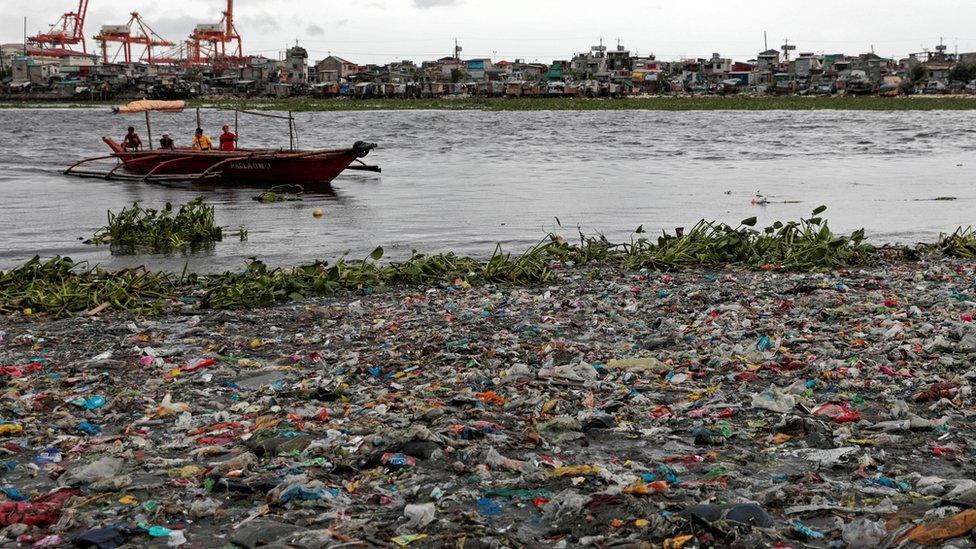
{"points": [[250, 166]]}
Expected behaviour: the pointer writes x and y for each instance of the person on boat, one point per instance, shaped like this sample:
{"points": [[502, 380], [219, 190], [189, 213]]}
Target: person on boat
{"points": [[201, 142], [131, 141], [228, 140], [166, 142]]}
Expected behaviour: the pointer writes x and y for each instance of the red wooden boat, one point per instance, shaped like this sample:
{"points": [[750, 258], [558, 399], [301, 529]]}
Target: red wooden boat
{"points": [[271, 167]]}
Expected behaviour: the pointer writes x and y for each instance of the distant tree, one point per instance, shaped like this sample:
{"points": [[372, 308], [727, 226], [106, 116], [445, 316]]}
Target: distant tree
{"points": [[963, 72], [456, 75], [918, 74]]}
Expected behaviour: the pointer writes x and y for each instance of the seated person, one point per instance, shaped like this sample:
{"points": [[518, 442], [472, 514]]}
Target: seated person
{"points": [[166, 142], [131, 141], [201, 142]]}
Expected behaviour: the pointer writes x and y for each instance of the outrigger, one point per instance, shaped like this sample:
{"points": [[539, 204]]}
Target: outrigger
{"points": [[259, 167]]}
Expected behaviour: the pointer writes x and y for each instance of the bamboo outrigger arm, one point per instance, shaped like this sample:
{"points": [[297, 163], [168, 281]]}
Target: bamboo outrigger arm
{"points": [[87, 160], [152, 172], [111, 173]]}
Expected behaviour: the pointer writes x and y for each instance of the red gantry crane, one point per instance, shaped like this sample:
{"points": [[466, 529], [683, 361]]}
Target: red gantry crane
{"points": [[69, 30], [123, 34], [208, 42]]}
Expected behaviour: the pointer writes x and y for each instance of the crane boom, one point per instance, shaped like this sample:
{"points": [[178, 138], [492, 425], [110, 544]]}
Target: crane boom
{"points": [[123, 34], [69, 29], [208, 43]]}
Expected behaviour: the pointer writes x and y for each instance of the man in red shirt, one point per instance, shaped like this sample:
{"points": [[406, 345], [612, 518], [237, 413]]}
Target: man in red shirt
{"points": [[228, 140]]}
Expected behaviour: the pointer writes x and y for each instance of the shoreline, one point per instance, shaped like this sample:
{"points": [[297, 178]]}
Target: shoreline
{"points": [[603, 407], [59, 286], [653, 103]]}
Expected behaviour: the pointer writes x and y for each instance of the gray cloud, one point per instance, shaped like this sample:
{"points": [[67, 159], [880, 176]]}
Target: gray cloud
{"points": [[314, 30], [262, 23], [435, 3]]}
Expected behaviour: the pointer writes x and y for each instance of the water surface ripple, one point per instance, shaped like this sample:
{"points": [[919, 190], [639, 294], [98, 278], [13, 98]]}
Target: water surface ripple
{"points": [[465, 180]]}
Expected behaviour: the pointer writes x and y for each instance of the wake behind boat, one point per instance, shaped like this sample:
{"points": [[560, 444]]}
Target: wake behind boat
{"points": [[260, 167]]}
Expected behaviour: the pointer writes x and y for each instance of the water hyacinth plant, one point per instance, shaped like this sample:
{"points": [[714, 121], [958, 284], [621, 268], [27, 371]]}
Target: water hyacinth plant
{"points": [[60, 286], [807, 244], [161, 230], [961, 243]]}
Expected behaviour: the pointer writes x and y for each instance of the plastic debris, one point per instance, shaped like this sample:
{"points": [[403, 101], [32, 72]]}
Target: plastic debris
{"points": [[696, 409], [419, 515], [863, 533]]}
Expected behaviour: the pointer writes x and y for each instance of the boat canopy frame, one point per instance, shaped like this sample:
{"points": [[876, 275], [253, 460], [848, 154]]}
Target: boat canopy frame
{"points": [[147, 106]]}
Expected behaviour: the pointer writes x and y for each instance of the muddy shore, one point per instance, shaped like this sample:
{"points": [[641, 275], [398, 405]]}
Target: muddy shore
{"points": [[613, 408]]}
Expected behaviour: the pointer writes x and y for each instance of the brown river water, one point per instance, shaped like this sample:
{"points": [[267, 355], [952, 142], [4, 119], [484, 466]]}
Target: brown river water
{"points": [[466, 180]]}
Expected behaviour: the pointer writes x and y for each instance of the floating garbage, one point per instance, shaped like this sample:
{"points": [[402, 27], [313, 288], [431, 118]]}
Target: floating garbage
{"points": [[610, 407]]}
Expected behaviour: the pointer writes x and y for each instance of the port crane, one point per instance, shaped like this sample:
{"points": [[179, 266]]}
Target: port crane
{"points": [[216, 44], [123, 34], [209, 42], [68, 31]]}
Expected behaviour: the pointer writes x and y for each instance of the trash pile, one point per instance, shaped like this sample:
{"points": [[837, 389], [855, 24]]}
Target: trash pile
{"points": [[693, 409]]}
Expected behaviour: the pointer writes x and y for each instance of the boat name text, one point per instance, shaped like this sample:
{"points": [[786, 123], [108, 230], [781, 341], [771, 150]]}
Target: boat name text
{"points": [[249, 166]]}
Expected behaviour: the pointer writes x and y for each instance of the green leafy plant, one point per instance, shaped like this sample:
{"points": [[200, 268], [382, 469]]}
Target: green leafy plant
{"points": [[161, 230], [961, 243], [60, 286]]}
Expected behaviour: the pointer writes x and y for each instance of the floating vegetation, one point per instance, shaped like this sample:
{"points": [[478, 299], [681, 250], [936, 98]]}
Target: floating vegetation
{"points": [[802, 245], [281, 193], [60, 286], [961, 243], [161, 230], [259, 286]]}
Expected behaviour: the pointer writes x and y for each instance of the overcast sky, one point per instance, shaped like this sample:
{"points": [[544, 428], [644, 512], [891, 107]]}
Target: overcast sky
{"points": [[372, 31]]}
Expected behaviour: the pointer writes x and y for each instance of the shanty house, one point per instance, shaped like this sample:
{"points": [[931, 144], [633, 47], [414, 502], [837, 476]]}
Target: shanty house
{"points": [[336, 67]]}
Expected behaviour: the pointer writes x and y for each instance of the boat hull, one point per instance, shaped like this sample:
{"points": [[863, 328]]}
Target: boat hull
{"points": [[244, 167]]}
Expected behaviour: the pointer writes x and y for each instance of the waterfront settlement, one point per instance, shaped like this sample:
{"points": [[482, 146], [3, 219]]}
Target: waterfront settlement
{"points": [[36, 73]]}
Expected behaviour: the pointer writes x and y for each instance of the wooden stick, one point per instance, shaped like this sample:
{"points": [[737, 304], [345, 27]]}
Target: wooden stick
{"points": [[291, 132], [149, 131]]}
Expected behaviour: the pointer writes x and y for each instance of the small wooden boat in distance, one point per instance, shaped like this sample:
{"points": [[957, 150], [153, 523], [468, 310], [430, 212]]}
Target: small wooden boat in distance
{"points": [[249, 167]]}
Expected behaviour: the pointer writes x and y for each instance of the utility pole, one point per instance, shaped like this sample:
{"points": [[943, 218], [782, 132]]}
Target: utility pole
{"points": [[787, 48], [25, 35]]}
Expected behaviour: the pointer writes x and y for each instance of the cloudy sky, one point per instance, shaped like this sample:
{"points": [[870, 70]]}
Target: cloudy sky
{"points": [[370, 31]]}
